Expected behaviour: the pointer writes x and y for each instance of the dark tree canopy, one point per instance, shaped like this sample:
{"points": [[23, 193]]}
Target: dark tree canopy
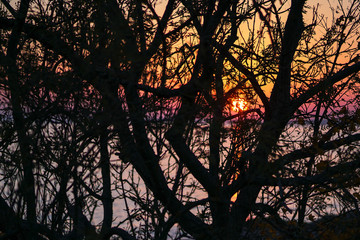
{"points": [[118, 118]]}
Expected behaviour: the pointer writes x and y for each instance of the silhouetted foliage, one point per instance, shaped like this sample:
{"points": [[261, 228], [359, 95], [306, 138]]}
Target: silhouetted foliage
{"points": [[117, 119]]}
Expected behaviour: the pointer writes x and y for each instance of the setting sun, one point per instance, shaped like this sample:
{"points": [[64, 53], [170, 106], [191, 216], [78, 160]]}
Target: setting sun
{"points": [[239, 105]]}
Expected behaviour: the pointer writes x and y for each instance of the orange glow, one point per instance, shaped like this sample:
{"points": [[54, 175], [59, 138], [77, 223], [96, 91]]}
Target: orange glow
{"points": [[239, 105], [234, 197]]}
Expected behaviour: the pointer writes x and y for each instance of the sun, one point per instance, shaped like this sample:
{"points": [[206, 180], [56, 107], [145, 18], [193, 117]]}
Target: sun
{"points": [[239, 105]]}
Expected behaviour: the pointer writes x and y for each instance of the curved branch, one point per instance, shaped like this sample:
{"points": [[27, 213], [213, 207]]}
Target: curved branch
{"points": [[314, 149], [325, 84], [247, 73], [53, 41], [329, 175]]}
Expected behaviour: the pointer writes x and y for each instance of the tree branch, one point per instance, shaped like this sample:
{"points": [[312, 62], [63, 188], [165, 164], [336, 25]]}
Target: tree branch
{"points": [[326, 176], [251, 77], [280, 96], [314, 149], [9, 8], [325, 84]]}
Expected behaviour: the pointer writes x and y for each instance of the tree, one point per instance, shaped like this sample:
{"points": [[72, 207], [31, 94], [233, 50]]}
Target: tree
{"points": [[117, 117]]}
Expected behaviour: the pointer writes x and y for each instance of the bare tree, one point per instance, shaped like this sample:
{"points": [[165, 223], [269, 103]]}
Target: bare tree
{"points": [[177, 119]]}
